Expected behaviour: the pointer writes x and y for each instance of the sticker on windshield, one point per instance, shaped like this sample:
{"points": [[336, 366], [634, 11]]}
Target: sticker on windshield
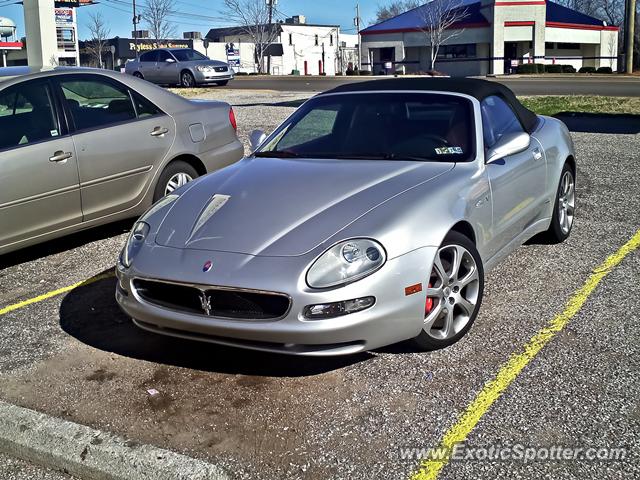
{"points": [[448, 150]]}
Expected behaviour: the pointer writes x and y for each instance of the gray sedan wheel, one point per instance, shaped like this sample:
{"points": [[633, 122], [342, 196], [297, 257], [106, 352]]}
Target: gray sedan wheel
{"points": [[564, 208], [137, 75], [174, 176], [187, 80], [454, 293]]}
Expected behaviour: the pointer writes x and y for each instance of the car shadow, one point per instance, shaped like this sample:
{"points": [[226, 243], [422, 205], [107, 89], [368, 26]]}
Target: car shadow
{"points": [[290, 103], [600, 122], [66, 243], [90, 314]]}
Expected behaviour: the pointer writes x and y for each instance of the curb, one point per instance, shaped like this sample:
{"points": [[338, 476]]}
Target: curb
{"points": [[92, 454]]}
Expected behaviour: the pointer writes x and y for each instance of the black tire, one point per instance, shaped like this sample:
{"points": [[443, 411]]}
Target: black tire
{"points": [[222, 84], [174, 168], [187, 80], [426, 341], [138, 75], [556, 233]]}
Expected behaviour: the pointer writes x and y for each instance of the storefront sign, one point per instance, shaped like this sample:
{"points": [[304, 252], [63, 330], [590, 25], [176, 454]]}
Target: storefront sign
{"points": [[63, 15]]}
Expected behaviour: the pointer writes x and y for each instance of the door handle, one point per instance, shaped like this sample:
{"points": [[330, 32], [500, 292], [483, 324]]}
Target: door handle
{"points": [[537, 154], [60, 156], [159, 132]]}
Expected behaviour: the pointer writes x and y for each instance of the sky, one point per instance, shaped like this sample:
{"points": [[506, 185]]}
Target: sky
{"points": [[200, 15]]}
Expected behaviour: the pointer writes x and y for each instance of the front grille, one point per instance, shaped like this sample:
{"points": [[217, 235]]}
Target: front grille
{"points": [[213, 301], [221, 69]]}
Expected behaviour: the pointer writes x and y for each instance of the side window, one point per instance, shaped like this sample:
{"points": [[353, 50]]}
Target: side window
{"points": [[163, 56], [144, 107], [97, 103], [149, 57], [497, 120], [26, 115]]}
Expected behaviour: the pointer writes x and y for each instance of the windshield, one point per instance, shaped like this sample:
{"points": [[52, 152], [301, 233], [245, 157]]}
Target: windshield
{"points": [[188, 55], [386, 126]]}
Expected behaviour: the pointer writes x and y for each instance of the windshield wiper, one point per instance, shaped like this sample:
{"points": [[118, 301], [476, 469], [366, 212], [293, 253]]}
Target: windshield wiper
{"points": [[276, 154]]}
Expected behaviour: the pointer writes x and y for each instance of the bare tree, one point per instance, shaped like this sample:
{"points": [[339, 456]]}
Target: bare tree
{"points": [[395, 8], [252, 17], [156, 16], [98, 41], [441, 18]]}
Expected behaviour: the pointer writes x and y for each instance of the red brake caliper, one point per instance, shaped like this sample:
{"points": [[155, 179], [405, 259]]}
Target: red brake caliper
{"points": [[429, 305]]}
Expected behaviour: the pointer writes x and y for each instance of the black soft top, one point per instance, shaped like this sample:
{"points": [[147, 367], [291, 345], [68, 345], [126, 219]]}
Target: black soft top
{"points": [[473, 87]]}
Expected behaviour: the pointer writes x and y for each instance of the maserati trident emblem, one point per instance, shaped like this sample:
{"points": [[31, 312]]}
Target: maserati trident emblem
{"points": [[205, 302], [207, 266]]}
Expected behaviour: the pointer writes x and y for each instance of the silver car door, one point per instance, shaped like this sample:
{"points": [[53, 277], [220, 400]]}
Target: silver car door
{"points": [[148, 62], [517, 181], [121, 143], [167, 68], [39, 187]]}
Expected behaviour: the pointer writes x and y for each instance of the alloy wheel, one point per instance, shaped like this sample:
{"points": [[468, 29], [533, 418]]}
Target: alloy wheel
{"points": [[452, 292], [177, 181], [566, 202]]}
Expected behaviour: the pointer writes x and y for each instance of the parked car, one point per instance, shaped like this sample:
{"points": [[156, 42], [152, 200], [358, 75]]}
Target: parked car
{"points": [[179, 66], [368, 217], [83, 147]]}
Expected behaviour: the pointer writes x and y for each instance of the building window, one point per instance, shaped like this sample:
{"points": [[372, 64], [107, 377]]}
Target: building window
{"points": [[331, 40], [568, 46], [66, 39], [291, 39], [549, 46], [317, 40], [467, 50]]}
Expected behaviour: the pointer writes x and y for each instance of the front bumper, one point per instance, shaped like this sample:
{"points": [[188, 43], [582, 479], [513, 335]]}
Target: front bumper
{"points": [[394, 317], [212, 77]]}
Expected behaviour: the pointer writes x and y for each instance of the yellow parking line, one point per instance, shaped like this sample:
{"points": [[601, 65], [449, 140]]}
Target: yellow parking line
{"points": [[493, 389], [54, 293]]}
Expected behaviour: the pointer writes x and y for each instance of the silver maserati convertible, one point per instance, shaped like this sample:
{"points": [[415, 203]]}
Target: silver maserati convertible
{"points": [[370, 216]]}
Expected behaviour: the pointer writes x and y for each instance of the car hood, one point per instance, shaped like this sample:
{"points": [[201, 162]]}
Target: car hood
{"points": [[206, 63], [284, 207]]}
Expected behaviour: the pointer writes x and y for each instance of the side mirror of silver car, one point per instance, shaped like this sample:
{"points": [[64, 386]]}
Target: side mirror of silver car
{"points": [[256, 138], [509, 144]]}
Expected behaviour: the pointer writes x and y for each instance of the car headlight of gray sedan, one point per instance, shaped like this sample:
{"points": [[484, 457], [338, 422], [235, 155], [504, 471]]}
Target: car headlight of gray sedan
{"points": [[369, 217]]}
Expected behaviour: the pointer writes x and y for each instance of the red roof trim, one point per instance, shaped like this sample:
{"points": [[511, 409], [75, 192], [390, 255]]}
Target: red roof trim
{"points": [[519, 24], [10, 44], [407, 30], [578, 26]]}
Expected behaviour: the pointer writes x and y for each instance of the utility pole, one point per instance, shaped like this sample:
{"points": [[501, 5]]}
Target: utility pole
{"points": [[630, 32], [356, 22], [135, 29], [270, 4]]}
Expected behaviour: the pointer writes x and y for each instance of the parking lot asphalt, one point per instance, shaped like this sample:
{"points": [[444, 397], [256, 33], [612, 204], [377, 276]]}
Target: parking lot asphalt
{"points": [[76, 356]]}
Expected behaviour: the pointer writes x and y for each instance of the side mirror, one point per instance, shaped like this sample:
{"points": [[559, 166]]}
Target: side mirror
{"points": [[256, 138], [170, 60], [509, 144]]}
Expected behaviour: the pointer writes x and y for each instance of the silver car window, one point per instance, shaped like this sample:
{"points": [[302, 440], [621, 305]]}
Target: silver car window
{"points": [[149, 57], [94, 102], [497, 120], [26, 115], [163, 56]]}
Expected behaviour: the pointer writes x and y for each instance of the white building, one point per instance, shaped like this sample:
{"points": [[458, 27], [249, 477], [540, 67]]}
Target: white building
{"points": [[493, 37], [299, 47]]}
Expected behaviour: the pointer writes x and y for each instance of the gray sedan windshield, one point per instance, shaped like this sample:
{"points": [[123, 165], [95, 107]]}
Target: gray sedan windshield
{"points": [[188, 55], [386, 126]]}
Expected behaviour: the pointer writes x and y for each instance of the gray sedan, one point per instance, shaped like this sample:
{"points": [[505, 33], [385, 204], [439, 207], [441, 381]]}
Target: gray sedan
{"points": [[83, 147], [369, 217], [179, 66]]}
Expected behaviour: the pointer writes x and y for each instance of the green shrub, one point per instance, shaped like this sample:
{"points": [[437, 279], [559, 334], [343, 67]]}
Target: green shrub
{"points": [[554, 68], [399, 72], [604, 70], [526, 68], [365, 72], [540, 67], [568, 69], [587, 70], [241, 74], [350, 72]]}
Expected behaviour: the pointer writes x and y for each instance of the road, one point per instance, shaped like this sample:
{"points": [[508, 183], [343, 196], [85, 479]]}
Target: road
{"points": [[76, 356], [612, 86]]}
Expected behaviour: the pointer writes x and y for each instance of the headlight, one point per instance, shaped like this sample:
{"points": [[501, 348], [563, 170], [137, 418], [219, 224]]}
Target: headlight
{"points": [[134, 243], [203, 68], [346, 262]]}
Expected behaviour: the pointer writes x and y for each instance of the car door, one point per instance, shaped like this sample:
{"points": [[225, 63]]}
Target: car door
{"points": [[517, 181], [167, 68], [148, 68], [39, 186], [121, 139]]}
